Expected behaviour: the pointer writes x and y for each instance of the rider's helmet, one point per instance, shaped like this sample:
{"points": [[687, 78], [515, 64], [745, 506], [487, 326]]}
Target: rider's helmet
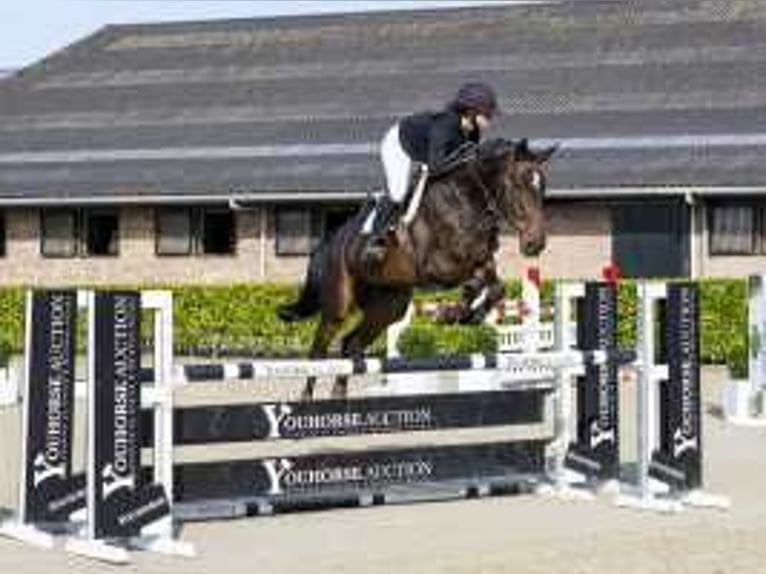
{"points": [[475, 97]]}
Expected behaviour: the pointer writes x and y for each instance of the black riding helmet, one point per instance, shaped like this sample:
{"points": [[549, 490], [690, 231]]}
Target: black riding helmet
{"points": [[476, 97]]}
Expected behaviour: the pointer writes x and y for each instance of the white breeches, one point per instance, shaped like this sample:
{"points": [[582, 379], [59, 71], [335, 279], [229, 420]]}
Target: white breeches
{"points": [[397, 165]]}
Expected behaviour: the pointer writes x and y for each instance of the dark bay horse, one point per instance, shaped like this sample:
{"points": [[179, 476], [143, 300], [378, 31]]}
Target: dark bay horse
{"points": [[451, 242]]}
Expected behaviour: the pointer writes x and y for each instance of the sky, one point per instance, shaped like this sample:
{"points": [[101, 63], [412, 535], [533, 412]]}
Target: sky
{"points": [[31, 29]]}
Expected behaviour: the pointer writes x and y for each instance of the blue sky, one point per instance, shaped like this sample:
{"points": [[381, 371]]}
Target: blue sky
{"points": [[30, 29]]}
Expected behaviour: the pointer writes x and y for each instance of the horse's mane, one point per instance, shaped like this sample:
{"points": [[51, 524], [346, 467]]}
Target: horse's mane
{"points": [[485, 152]]}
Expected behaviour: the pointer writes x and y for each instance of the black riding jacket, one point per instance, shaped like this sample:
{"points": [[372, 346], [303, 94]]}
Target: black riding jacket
{"points": [[431, 137]]}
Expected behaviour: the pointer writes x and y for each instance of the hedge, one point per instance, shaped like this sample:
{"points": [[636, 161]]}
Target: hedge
{"points": [[218, 320]]}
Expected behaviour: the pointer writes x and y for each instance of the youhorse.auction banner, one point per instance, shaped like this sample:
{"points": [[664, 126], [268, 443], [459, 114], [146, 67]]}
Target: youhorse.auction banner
{"points": [[679, 459], [369, 415], [361, 471], [123, 503], [596, 449], [50, 491]]}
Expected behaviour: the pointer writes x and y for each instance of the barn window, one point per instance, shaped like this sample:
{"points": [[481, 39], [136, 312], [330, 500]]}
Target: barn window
{"points": [[736, 229], [75, 232], [174, 231], [58, 233], [195, 231], [101, 232], [298, 230], [218, 233]]}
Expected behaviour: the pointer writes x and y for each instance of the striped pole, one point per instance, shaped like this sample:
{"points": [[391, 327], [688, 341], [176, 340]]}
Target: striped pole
{"points": [[295, 368]]}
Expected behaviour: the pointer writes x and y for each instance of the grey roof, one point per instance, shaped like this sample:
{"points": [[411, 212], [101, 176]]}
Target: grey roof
{"points": [[644, 94]]}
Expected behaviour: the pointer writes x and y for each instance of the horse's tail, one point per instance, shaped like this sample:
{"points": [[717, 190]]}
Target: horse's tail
{"points": [[308, 303]]}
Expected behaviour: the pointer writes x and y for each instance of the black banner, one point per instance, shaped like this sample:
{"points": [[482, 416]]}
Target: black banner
{"points": [[678, 461], [124, 504], [274, 421], [51, 492], [347, 472], [595, 452]]}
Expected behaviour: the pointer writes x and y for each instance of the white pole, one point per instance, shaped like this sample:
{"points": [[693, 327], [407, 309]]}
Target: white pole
{"points": [[160, 400], [530, 319], [563, 420], [650, 376], [159, 536], [25, 409], [757, 341]]}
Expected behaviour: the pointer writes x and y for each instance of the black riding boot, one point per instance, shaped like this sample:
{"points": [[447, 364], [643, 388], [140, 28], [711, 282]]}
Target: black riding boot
{"points": [[385, 220]]}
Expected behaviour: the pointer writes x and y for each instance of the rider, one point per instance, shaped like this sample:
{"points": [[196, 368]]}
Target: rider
{"points": [[424, 141]]}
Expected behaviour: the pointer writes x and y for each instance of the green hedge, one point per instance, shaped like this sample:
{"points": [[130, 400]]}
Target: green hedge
{"points": [[723, 323], [241, 318]]}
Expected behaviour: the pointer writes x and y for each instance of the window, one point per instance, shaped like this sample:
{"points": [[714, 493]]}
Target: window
{"points": [[59, 233], [101, 232], [293, 236], [218, 232], [79, 232], [195, 231], [174, 232], [737, 229], [298, 230]]}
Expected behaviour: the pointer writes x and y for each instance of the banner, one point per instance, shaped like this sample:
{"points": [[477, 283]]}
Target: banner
{"points": [[678, 461], [50, 493], [123, 502], [295, 420], [360, 471], [595, 451]]}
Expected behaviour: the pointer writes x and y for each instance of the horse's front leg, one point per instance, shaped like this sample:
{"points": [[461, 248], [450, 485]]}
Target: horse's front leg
{"points": [[480, 294]]}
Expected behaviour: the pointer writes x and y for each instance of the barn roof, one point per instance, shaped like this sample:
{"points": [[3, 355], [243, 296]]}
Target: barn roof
{"points": [[656, 96]]}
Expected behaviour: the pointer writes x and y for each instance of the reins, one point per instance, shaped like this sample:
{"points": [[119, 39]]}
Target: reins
{"points": [[496, 213], [467, 156]]}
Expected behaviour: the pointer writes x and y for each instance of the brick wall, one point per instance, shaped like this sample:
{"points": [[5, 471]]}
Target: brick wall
{"points": [[137, 261], [579, 244]]}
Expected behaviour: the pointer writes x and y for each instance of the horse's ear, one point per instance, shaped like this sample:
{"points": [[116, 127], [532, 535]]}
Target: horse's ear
{"points": [[545, 155]]}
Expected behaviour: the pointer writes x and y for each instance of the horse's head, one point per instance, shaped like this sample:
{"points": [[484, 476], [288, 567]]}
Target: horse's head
{"points": [[521, 184]]}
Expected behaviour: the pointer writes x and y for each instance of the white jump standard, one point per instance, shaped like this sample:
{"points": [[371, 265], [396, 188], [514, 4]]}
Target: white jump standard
{"points": [[669, 426]]}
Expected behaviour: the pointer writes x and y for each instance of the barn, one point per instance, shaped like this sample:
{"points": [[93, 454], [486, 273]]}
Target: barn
{"points": [[222, 151]]}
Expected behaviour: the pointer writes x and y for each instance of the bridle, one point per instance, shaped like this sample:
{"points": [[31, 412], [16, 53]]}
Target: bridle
{"points": [[494, 208], [467, 156]]}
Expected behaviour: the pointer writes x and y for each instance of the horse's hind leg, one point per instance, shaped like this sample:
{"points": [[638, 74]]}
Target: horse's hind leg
{"points": [[380, 309], [323, 337]]}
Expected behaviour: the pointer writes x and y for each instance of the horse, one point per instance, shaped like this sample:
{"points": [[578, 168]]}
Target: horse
{"points": [[450, 242]]}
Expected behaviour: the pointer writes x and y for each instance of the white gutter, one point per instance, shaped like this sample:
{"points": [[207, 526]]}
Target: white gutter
{"points": [[240, 201], [651, 191], [243, 200]]}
